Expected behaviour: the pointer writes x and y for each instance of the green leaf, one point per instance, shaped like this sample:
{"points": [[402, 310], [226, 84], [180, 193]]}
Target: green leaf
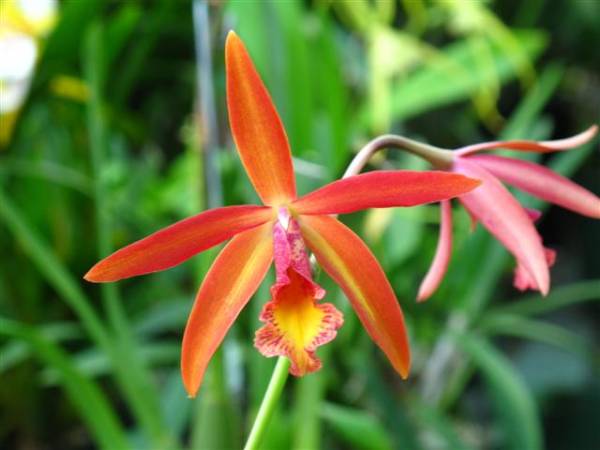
{"points": [[357, 14], [85, 394], [120, 29], [515, 404], [14, 352], [176, 405], [527, 113], [443, 82], [137, 382], [433, 420], [535, 330], [167, 315], [52, 269], [559, 297], [47, 170], [93, 363], [306, 409], [356, 427]]}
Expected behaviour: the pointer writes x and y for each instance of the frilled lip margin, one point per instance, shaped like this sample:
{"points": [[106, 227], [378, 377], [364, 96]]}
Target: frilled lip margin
{"points": [[295, 323]]}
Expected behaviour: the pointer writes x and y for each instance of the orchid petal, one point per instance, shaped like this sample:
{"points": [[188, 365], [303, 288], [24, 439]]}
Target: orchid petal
{"points": [[534, 214], [233, 278], [504, 217], [442, 255], [351, 264], [176, 243], [383, 189], [532, 146], [522, 280], [256, 127], [542, 182]]}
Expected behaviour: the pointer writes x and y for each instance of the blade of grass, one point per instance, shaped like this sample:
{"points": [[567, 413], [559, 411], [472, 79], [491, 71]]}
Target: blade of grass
{"points": [[15, 352], [86, 396], [53, 270], [154, 20], [535, 330], [94, 363], [120, 29], [307, 409], [522, 120], [558, 298], [437, 422], [48, 171], [137, 381], [94, 75], [422, 91], [356, 427], [513, 400]]}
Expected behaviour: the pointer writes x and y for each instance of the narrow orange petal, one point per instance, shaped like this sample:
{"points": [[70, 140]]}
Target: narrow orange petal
{"points": [[257, 129], [233, 278], [176, 243], [384, 189], [351, 264]]}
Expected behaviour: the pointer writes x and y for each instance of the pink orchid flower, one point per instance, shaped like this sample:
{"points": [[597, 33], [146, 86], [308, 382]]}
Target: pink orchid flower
{"points": [[500, 212]]}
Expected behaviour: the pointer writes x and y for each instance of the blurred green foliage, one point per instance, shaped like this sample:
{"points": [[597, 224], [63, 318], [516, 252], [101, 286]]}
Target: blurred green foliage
{"points": [[106, 149]]}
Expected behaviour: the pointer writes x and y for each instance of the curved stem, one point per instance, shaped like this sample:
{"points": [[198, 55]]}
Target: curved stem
{"points": [[438, 157], [268, 404]]}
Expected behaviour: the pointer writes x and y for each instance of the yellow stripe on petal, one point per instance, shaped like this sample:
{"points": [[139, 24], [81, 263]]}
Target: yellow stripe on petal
{"points": [[351, 264]]}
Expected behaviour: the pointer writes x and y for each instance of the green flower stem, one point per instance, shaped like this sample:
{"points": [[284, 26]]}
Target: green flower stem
{"points": [[268, 404]]}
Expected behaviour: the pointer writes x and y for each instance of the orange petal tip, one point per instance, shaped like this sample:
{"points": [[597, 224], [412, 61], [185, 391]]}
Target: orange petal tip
{"points": [[231, 36], [89, 277], [93, 276]]}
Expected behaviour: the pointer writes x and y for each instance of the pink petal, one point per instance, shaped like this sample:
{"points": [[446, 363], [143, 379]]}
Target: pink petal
{"points": [[541, 182], [522, 280], [533, 146], [504, 217], [442, 255], [534, 214]]}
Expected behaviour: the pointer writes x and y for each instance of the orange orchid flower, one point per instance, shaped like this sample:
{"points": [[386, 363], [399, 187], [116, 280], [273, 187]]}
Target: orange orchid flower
{"points": [[296, 323]]}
